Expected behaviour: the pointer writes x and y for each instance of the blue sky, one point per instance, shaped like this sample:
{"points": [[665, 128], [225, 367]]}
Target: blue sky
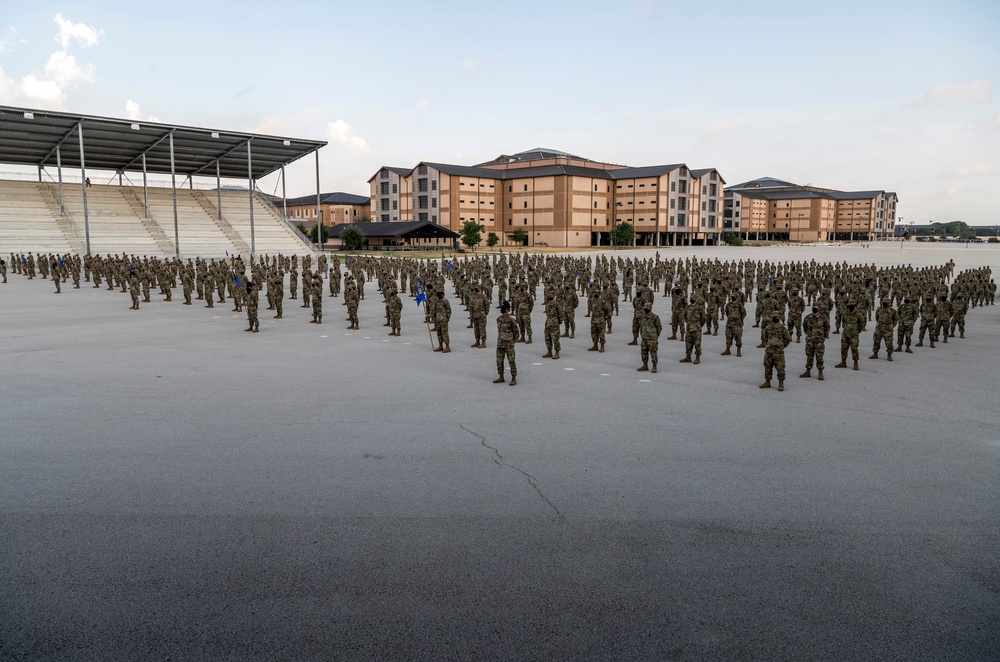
{"points": [[878, 95]]}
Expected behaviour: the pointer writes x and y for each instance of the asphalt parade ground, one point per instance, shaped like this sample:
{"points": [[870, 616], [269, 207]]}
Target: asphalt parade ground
{"points": [[172, 488]]}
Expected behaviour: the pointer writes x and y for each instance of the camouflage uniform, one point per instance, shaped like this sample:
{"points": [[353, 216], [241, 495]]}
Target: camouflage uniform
{"points": [[885, 321], [506, 334], [736, 312], [907, 318], [927, 313], [817, 328], [650, 329], [598, 323], [442, 315], [553, 320], [854, 323], [694, 315], [959, 307], [776, 339]]}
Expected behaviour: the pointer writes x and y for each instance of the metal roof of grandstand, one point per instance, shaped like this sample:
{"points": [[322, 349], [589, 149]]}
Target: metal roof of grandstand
{"points": [[33, 137], [398, 229]]}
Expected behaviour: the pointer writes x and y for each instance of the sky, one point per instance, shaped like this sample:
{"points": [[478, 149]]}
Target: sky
{"points": [[898, 96]]}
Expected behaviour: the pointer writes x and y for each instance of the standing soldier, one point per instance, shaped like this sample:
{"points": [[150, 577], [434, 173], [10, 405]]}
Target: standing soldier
{"points": [[506, 334], [854, 322], [695, 317], [885, 320], [817, 327], [317, 299], [442, 315], [278, 285], [736, 312], [395, 307], [796, 307], [134, 291], [598, 323], [351, 299], [959, 307], [927, 312], [3, 270], [942, 318], [553, 318], [477, 314], [524, 305], [677, 306], [907, 318], [650, 329], [252, 302], [776, 338], [570, 303]]}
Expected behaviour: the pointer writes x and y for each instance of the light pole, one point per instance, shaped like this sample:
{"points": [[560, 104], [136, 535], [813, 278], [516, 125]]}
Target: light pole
{"points": [[901, 239]]}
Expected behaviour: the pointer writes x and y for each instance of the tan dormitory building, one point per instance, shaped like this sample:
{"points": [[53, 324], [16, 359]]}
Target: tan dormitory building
{"points": [[334, 208], [557, 199], [773, 209]]}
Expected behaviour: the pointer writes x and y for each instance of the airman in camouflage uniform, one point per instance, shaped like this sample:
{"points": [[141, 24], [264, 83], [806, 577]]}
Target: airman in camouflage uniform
{"points": [[477, 314], [736, 312], [928, 311], [442, 315], [317, 299], [252, 302], [885, 321], [854, 322], [598, 323], [796, 307], [650, 329], [553, 320], [907, 319], [959, 307], [817, 328], [776, 338], [694, 315], [506, 334]]}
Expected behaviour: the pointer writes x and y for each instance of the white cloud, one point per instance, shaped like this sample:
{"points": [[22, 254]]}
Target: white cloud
{"points": [[63, 69], [4, 45], [132, 110], [340, 131], [978, 169], [718, 129], [9, 88], [994, 124], [954, 94], [44, 92], [469, 63], [421, 106], [70, 32]]}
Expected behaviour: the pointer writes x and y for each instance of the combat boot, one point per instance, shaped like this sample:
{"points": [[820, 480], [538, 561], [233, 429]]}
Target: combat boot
{"points": [[499, 380], [475, 344], [821, 375], [447, 349], [697, 360], [908, 350], [874, 355], [654, 368], [592, 349], [899, 348], [686, 359], [856, 366], [945, 341], [528, 341], [932, 343], [798, 339], [806, 374], [739, 352], [766, 384], [842, 364], [888, 357], [760, 346], [513, 381], [439, 348], [920, 343], [781, 385], [601, 350], [556, 355], [573, 335], [726, 353], [547, 355], [673, 336], [643, 368], [635, 340], [962, 334]]}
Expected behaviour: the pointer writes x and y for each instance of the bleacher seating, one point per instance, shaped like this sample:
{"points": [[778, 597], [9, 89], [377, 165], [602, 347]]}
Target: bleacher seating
{"points": [[27, 222], [30, 220]]}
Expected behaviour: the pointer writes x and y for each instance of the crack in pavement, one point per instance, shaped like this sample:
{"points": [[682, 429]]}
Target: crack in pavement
{"points": [[498, 460]]}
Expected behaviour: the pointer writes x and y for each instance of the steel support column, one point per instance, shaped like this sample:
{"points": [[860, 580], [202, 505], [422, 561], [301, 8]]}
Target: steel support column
{"points": [[218, 188], [319, 219], [173, 190], [62, 206], [253, 244], [83, 184], [145, 187]]}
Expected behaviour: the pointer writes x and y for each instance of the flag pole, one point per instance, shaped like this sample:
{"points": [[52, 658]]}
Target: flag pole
{"points": [[427, 321]]}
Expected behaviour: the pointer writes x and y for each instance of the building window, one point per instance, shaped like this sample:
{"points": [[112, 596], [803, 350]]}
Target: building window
{"points": [[434, 184], [712, 205], [385, 204], [421, 185], [423, 217], [671, 220], [673, 186], [385, 188], [395, 188], [704, 189], [434, 202], [422, 170], [384, 174], [704, 205], [711, 221], [525, 205], [525, 221], [385, 218], [434, 219], [712, 187], [673, 203], [682, 203], [510, 205], [510, 189], [525, 187], [422, 202], [682, 186], [394, 205]]}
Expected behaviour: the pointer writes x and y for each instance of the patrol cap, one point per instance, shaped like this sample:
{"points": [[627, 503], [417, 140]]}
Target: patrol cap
{"points": [[504, 306]]}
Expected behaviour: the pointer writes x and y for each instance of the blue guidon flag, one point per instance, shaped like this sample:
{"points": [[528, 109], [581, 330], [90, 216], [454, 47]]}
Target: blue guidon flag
{"points": [[421, 295]]}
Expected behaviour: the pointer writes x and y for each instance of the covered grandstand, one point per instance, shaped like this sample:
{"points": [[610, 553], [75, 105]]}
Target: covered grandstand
{"points": [[64, 212]]}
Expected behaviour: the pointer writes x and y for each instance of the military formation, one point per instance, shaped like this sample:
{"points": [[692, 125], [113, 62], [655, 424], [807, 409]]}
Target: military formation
{"points": [[842, 298]]}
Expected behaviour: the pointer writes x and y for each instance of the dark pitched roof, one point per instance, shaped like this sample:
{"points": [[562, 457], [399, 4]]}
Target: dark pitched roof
{"points": [[467, 171], [645, 171], [536, 154], [784, 194], [398, 230], [761, 182], [402, 172], [855, 195], [337, 198]]}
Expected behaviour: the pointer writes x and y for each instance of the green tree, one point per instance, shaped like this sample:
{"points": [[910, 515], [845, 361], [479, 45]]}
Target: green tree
{"points": [[492, 239], [623, 234], [732, 239], [352, 237], [364, 219], [471, 233], [519, 236], [311, 233]]}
